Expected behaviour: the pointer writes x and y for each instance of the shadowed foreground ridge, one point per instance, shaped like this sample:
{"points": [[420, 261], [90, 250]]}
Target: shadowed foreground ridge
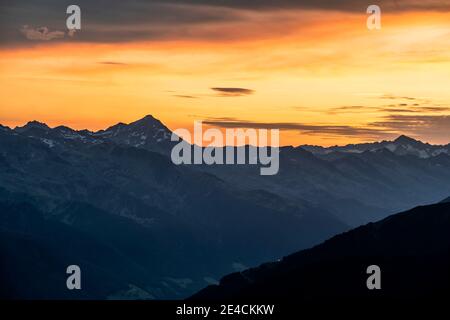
{"points": [[412, 249]]}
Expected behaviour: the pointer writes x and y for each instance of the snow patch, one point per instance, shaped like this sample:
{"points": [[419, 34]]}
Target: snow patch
{"points": [[48, 142]]}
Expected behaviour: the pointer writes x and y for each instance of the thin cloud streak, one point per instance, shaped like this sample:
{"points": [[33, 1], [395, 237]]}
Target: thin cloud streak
{"points": [[232, 92], [185, 96], [334, 130], [429, 126]]}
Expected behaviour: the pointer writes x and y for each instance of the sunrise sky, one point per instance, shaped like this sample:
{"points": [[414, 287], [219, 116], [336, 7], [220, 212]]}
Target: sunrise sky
{"points": [[310, 68]]}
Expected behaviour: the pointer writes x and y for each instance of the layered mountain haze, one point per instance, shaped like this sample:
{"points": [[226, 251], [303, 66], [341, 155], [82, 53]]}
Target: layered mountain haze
{"points": [[403, 145], [357, 183], [140, 227], [180, 227], [115, 115]]}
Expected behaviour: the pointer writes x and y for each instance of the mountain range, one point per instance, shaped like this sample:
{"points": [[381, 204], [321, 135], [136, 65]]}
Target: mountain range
{"points": [[403, 145], [141, 227], [163, 231], [411, 249]]}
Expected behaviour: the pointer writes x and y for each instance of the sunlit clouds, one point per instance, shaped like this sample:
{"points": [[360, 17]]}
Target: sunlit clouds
{"points": [[317, 74]]}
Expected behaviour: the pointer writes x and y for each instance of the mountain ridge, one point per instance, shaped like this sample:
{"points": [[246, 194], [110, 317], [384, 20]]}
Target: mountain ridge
{"points": [[308, 173], [195, 225], [335, 269], [402, 145], [150, 120], [221, 216]]}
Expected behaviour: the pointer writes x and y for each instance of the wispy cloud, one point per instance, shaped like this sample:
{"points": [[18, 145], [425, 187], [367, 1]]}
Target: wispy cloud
{"points": [[113, 63], [232, 92], [403, 98], [350, 109], [427, 126], [185, 96], [400, 104], [41, 33], [413, 108], [393, 108], [312, 129], [44, 33], [418, 123]]}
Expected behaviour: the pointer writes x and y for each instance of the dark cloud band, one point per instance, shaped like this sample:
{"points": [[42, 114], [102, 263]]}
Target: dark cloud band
{"points": [[232, 92], [421, 125], [109, 21]]}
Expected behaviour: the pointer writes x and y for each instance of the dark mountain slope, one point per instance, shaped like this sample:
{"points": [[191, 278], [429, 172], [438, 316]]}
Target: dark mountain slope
{"points": [[358, 183], [35, 253], [187, 225], [411, 248], [357, 187], [147, 133], [182, 226]]}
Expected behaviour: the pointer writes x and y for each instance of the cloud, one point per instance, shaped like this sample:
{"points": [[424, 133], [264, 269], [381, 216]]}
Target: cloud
{"points": [[124, 21], [185, 96], [417, 123], [435, 127], [393, 97], [347, 5], [312, 129], [413, 108], [433, 109], [350, 109], [427, 127], [111, 21], [404, 99], [41, 33], [113, 63], [233, 92], [404, 104]]}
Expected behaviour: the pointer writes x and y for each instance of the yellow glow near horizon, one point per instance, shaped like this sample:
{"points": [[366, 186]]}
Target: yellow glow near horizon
{"points": [[327, 62]]}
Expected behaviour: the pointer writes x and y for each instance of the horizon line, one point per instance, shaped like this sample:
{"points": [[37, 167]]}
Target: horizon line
{"points": [[281, 146]]}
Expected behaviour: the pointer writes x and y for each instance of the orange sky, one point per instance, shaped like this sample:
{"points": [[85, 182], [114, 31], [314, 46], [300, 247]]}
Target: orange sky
{"points": [[311, 68]]}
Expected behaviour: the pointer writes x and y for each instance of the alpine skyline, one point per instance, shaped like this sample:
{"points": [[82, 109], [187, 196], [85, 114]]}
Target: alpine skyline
{"points": [[311, 69]]}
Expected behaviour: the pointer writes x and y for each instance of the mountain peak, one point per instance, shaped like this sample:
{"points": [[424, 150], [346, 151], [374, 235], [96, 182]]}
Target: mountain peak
{"points": [[115, 127], [148, 133], [33, 125], [4, 128], [405, 139], [148, 119], [37, 124]]}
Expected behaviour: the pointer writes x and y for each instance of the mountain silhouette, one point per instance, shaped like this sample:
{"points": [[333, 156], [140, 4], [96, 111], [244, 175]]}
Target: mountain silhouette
{"points": [[174, 228], [32, 125], [358, 187], [148, 133], [403, 145], [412, 249]]}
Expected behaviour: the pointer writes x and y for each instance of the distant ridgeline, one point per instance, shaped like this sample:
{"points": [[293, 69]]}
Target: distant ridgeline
{"points": [[139, 226]]}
